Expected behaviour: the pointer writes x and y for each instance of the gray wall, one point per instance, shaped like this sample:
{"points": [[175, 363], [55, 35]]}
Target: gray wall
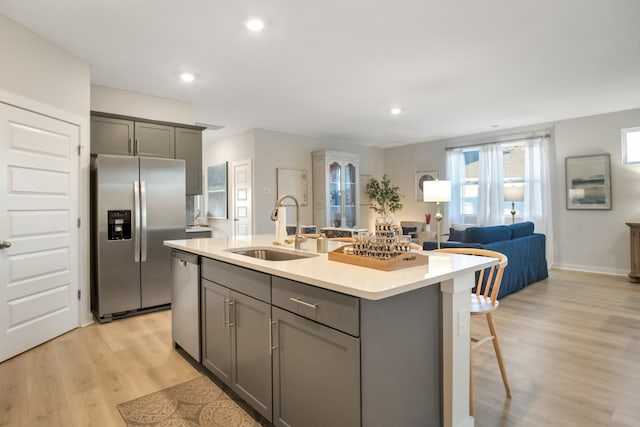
{"points": [[596, 241]]}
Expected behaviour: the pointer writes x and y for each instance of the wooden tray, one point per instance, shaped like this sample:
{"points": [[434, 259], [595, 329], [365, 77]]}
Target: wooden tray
{"points": [[410, 259]]}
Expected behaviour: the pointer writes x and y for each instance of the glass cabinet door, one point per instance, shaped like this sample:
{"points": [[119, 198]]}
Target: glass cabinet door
{"points": [[335, 194], [350, 189]]}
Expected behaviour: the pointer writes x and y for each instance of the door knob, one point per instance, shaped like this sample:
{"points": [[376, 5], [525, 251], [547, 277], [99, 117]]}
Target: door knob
{"points": [[4, 244]]}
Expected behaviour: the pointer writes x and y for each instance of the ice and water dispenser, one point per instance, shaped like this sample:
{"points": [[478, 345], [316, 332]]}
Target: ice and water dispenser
{"points": [[119, 225]]}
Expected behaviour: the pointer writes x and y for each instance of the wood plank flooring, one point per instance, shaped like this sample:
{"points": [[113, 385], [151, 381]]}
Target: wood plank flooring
{"points": [[571, 346]]}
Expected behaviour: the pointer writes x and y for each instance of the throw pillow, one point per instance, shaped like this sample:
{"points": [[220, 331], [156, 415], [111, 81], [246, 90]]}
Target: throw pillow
{"points": [[521, 229], [486, 235], [455, 235]]}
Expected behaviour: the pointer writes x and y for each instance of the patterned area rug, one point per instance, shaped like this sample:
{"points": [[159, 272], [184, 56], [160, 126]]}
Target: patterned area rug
{"points": [[196, 403]]}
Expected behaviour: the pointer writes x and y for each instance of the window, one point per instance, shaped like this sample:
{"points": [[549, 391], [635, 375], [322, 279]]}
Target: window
{"points": [[631, 145], [513, 166], [487, 178]]}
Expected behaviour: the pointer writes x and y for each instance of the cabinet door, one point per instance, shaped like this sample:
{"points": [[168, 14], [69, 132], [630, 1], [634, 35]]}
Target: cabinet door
{"points": [[251, 352], [216, 333], [152, 140], [189, 149], [316, 374], [350, 202], [111, 136]]}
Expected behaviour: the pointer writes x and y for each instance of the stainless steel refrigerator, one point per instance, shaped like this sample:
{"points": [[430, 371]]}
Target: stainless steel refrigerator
{"points": [[137, 203]]}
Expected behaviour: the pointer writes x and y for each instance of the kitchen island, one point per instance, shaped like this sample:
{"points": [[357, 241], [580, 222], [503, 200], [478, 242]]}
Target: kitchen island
{"points": [[318, 342]]}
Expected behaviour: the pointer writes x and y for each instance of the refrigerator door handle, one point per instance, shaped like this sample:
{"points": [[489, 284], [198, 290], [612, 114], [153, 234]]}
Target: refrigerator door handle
{"points": [[136, 220], [143, 216]]}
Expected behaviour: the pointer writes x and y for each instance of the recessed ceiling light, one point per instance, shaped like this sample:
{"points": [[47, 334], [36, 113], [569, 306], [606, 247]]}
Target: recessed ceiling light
{"points": [[395, 111], [187, 77], [255, 25]]}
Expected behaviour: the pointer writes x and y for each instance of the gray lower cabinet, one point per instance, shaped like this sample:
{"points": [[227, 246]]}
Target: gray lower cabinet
{"points": [[316, 374], [216, 332], [236, 336]]}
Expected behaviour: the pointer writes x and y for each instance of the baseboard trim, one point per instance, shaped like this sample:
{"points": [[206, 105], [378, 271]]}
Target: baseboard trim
{"points": [[590, 269]]}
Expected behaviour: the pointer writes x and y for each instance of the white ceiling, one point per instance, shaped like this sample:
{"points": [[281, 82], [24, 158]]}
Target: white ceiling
{"points": [[334, 68]]}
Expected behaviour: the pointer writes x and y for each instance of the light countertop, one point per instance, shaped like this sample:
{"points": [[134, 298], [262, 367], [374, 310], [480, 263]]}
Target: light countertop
{"points": [[349, 279], [197, 228]]}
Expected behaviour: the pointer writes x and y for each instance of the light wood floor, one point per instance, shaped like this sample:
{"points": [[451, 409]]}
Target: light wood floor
{"points": [[571, 347]]}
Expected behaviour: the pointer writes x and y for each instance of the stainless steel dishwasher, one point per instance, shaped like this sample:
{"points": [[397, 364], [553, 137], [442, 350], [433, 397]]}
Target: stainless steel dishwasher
{"points": [[185, 302]]}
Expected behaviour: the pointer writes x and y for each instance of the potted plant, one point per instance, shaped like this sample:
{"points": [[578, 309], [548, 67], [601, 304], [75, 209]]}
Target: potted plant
{"points": [[385, 198]]}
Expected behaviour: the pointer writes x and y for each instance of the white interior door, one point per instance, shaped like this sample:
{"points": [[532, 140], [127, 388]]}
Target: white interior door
{"points": [[242, 187], [38, 214]]}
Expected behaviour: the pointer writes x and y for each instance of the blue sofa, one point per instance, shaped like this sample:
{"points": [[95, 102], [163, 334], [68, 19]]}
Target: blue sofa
{"points": [[525, 250]]}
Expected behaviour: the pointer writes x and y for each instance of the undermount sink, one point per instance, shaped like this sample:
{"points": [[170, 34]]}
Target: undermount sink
{"points": [[270, 254]]}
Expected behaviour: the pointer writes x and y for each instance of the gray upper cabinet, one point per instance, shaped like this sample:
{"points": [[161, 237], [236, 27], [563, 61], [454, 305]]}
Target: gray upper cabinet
{"points": [[130, 136], [153, 140], [111, 136], [189, 148]]}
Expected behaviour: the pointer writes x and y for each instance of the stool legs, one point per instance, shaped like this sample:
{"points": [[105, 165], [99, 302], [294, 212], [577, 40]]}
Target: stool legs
{"points": [[496, 347]]}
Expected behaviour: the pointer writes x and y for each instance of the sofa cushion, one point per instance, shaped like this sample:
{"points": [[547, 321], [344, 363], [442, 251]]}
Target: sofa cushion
{"points": [[521, 229], [455, 235], [486, 235]]}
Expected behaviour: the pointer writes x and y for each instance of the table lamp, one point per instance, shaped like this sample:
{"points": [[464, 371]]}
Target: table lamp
{"points": [[437, 191], [513, 193]]}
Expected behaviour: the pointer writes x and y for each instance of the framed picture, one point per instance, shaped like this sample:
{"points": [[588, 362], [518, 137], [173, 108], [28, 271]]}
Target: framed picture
{"points": [[364, 197], [294, 182], [589, 182], [422, 177]]}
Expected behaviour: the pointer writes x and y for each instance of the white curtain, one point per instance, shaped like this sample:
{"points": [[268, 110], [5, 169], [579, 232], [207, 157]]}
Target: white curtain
{"points": [[455, 174], [490, 185], [537, 202], [537, 192]]}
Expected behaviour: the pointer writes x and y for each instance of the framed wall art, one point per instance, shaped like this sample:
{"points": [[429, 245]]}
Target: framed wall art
{"points": [[588, 182], [422, 177], [294, 182]]}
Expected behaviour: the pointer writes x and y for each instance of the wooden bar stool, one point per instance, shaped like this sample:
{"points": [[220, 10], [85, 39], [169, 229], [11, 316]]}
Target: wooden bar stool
{"points": [[484, 302]]}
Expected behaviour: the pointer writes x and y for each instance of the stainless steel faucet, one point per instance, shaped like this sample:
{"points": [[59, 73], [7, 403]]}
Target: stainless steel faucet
{"points": [[299, 238]]}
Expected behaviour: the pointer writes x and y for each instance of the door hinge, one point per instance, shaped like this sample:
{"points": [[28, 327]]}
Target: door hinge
{"points": [[79, 149], [79, 221], [79, 293]]}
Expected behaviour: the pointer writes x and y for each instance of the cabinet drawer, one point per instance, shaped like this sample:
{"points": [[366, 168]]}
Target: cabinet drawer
{"points": [[248, 282], [330, 308]]}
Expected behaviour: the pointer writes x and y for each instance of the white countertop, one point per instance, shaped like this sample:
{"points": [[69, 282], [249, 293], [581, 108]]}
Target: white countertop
{"points": [[349, 279], [197, 228]]}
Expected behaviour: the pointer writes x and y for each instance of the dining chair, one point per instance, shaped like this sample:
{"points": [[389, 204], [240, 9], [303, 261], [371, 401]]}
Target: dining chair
{"points": [[484, 302]]}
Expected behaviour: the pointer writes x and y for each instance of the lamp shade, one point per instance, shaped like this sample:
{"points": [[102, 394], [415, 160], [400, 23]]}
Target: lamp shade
{"points": [[436, 191], [514, 193]]}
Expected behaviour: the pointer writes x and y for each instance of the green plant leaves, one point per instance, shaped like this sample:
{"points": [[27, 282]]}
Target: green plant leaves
{"points": [[384, 196]]}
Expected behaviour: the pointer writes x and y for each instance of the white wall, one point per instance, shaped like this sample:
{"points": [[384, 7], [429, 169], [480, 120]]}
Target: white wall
{"points": [[227, 149], [126, 103], [39, 76], [596, 241], [271, 150]]}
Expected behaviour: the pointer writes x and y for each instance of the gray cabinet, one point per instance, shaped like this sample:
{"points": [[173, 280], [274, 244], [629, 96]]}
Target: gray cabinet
{"points": [[130, 136], [316, 373], [154, 140], [111, 136], [216, 332], [236, 331], [189, 148]]}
